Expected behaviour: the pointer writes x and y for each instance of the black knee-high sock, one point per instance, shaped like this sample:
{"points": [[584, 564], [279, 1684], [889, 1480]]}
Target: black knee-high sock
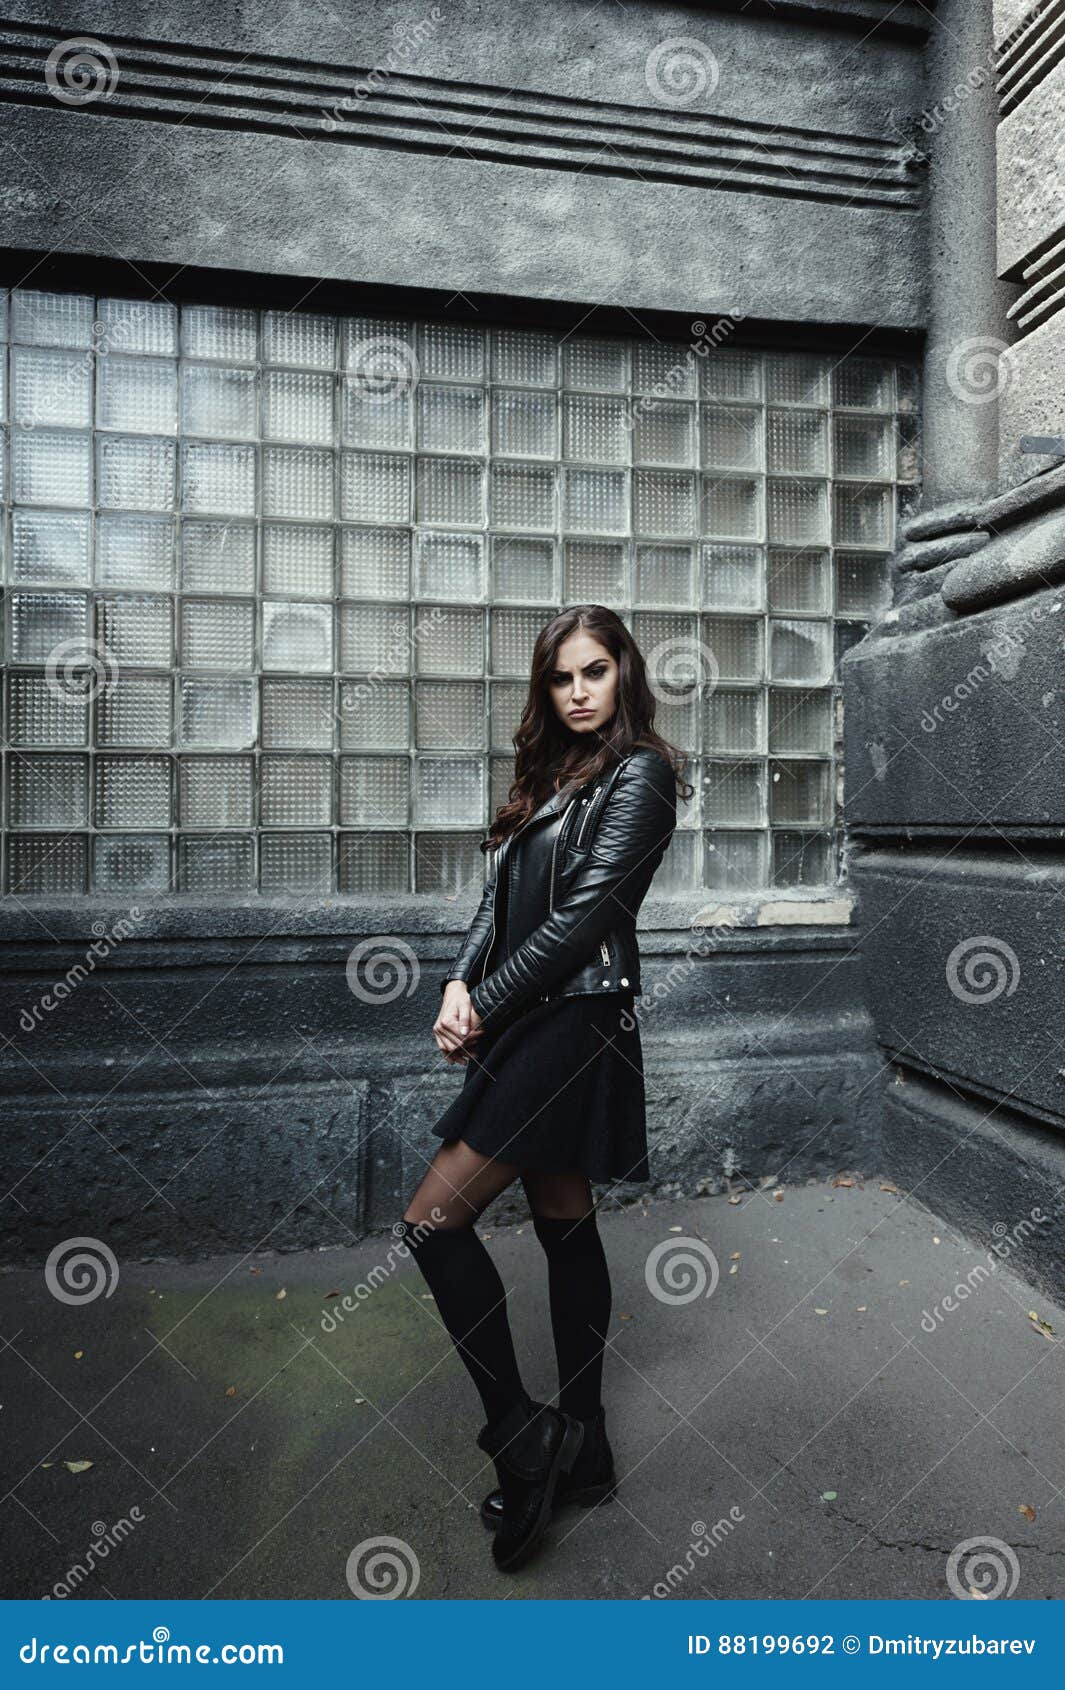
{"points": [[579, 1287], [473, 1306]]}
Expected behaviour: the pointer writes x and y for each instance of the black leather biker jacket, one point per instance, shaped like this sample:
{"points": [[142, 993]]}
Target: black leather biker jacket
{"points": [[574, 890]]}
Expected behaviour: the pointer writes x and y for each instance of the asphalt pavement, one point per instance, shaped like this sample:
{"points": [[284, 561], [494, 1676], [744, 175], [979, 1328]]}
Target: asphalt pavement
{"points": [[812, 1391]]}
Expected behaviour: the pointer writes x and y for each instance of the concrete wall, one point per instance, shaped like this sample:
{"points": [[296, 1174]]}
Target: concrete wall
{"points": [[1031, 228], [213, 1083], [541, 152], [953, 704]]}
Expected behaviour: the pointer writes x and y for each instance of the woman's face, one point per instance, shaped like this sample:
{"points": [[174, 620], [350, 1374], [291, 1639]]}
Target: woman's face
{"points": [[584, 683]]}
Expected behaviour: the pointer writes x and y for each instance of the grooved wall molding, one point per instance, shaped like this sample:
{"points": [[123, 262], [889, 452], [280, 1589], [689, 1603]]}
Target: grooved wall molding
{"points": [[1027, 56], [218, 88], [1044, 294], [899, 20], [1033, 52]]}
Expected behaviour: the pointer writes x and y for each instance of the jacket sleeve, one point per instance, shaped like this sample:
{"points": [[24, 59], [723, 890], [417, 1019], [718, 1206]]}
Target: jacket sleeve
{"points": [[630, 841], [476, 933]]}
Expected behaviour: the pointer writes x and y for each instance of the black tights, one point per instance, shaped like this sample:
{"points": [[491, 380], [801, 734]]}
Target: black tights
{"points": [[470, 1296]]}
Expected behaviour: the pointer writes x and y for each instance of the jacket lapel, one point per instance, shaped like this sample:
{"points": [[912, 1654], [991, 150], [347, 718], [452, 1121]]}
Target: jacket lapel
{"points": [[550, 807], [547, 808]]}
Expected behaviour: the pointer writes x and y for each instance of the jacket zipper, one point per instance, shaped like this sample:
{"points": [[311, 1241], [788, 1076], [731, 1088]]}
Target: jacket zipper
{"points": [[514, 835], [554, 853], [492, 935], [604, 949], [588, 810]]}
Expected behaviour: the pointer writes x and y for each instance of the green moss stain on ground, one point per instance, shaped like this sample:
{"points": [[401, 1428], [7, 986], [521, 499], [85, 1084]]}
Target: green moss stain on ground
{"points": [[299, 1363]]}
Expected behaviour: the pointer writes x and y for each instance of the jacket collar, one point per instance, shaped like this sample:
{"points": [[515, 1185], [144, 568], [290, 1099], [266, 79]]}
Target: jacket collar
{"points": [[558, 801], [549, 806]]}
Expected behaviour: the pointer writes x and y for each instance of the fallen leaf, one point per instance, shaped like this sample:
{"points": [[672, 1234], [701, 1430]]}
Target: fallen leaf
{"points": [[330, 1294], [232, 1391], [904, 1282], [47, 1463], [829, 1495], [735, 1256], [979, 1595], [1041, 1325], [862, 1307], [77, 1466], [820, 1311], [734, 1199], [936, 1240], [676, 1229], [847, 1182], [778, 1197], [78, 1354], [734, 1268], [280, 1294], [1027, 1510], [624, 1317], [255, 1270], [887, 1186]]}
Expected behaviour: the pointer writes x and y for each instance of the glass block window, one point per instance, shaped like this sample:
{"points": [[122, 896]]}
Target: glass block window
{"points": [[271, 581]]}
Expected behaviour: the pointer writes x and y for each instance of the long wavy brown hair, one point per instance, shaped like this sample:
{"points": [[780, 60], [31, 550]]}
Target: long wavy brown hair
{"points": [[550, 758]]}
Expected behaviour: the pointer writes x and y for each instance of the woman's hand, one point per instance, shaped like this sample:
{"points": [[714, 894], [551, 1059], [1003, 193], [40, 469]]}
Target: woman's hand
{"points": [[458, 1024]]}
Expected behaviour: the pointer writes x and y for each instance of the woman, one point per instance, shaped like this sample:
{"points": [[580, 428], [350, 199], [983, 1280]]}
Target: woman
{"points": [[538, 1006]]}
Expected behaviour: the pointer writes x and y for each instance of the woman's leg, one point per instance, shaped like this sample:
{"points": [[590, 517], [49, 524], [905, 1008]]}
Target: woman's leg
{"points": [[565, 1220], [458, 1185]]}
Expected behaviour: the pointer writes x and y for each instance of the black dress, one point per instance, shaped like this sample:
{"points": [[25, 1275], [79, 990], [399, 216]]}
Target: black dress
{"points": [[558, 1088]]}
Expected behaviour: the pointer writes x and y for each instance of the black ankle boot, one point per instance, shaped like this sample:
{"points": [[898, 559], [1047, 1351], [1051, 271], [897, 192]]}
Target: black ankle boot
{"points": [[532, 1446], [591, 1480]]}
